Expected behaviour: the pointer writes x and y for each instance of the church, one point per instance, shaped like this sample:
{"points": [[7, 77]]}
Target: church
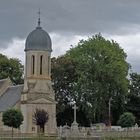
{"points": [[37, 91]]}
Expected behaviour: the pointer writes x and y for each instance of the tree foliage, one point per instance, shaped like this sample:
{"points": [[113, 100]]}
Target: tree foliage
{"points": [[133, 100], [11, 67], [67, 116], [64, 79], [127, 119], [12, 118], [40, 118], [91, 73], [134, 84]]}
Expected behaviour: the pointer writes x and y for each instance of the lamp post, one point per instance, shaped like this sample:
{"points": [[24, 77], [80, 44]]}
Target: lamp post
{"points": [[109, 111]]}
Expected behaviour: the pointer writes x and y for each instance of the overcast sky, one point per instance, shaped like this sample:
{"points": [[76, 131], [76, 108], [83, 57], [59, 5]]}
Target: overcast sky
{"points": [[68, 21]]}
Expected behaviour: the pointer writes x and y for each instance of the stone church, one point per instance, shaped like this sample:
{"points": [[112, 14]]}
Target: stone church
{"points": [[37, 92]]}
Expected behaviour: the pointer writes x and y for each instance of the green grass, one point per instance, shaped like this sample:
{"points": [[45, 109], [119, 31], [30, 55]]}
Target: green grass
{"points": [[121, 138], [36, 138]]}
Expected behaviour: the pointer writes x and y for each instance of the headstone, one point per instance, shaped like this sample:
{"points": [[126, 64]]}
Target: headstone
{"points": [[66, 131]]}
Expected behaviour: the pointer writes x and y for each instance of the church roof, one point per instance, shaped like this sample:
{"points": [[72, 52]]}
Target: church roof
{"points": [[10, 97], [2, 82], [38, 40]]}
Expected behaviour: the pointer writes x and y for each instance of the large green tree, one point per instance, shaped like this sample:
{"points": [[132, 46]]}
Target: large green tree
{"points": [[11, 67], [91, 73], [102, 74]]}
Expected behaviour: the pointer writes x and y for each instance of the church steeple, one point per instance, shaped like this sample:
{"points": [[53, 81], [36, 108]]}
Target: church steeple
{"points": [[38, 91]]}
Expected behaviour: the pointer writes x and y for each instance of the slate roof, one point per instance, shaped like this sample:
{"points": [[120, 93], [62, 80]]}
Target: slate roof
{"points": [[10, 97], [2, 82]]}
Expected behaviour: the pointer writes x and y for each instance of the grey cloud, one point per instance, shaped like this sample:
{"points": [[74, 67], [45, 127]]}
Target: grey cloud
{"points": [[69, 18], [18, 18]]}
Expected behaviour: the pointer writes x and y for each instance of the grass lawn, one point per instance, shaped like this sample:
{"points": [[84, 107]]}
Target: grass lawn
{"points": [[37, 138], [112, 138]]}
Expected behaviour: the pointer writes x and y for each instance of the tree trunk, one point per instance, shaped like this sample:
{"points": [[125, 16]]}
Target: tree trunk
{"points": [[43, 129], [38, 129]]}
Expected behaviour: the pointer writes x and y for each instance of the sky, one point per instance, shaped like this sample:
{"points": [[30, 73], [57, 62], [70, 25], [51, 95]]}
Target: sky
{"points": [[68, 21]]}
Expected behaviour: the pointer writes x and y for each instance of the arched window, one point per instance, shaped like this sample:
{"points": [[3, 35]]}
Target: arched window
{"points": [[41, 59], [33, 65]]}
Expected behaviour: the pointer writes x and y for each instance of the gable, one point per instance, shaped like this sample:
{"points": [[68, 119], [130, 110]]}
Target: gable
{"points": [[41, 101]]}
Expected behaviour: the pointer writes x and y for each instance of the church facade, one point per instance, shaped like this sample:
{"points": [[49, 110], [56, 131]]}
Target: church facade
{"points": [[37, 91]]}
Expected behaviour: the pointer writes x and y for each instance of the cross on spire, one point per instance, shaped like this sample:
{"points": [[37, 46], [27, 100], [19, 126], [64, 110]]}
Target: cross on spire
{"points": [[39, 18]]}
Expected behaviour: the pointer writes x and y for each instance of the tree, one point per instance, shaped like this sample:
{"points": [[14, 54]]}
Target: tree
{"points": [[127, 119], [64, 79], [133, 98], [12, 118], [11, 67], [40, 118], [91, 73]]}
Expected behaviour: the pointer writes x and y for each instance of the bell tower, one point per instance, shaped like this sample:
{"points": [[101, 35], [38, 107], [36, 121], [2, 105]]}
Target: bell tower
{"points": [[38, 92]]}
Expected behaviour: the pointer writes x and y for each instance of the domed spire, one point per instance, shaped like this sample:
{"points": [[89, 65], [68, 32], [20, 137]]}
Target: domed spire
{"points": [[38, 39]]}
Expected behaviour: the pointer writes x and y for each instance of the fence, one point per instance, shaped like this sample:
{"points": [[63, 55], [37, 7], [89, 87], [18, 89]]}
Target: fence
{"points": [[90, 132], [82, 133]]}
